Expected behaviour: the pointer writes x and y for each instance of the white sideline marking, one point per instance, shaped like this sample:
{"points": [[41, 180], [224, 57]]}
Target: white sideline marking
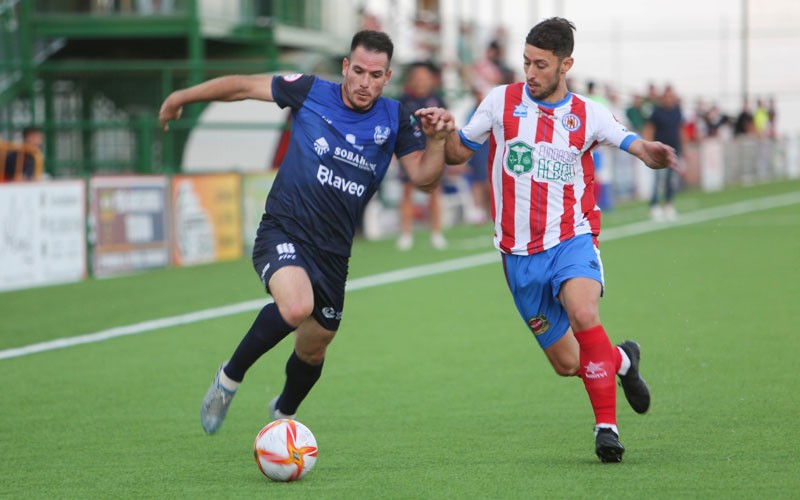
{"points": [[634, 229]]}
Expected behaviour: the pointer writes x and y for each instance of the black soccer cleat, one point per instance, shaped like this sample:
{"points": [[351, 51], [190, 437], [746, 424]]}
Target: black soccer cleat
{"points": [[636, 391], [607, 446]]}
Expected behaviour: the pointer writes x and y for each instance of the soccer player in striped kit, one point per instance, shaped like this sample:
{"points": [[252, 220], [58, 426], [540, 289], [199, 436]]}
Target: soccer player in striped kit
{"points": [[547, 222]]}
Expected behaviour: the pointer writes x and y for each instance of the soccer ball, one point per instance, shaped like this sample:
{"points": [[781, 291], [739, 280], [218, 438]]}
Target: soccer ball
{"points": [[285, 450]]}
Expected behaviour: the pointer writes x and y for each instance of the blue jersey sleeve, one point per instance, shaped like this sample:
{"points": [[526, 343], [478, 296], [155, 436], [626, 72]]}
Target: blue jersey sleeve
{"points": [[409, 134], [291, 90]]}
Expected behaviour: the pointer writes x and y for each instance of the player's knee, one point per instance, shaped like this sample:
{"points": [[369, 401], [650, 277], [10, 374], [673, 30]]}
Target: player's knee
{"points": [[313, 357], [584, 317], [312, 350], [296, 312]]}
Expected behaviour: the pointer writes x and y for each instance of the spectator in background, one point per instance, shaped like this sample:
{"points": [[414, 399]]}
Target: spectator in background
{"points": [[466, 54], [427, 36], [369, 21], [485, 73], [478, 173], [32, 139], [714, 120], [760, 118], [635, 114], [744, 122], [420, 90], [772, 119], [497, 56], [651, 100], [602, 191], [665, 125]]}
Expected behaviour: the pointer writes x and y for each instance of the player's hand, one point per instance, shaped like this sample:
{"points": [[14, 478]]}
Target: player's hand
{"points": [[661, 156], [437, 123], [170, 110]]}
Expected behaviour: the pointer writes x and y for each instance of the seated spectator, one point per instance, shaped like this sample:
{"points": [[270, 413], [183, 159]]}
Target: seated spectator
{"points": [[20, 163]]}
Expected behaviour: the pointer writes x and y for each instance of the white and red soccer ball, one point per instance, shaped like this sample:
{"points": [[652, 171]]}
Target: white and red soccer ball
{"points": [[285, 450]]}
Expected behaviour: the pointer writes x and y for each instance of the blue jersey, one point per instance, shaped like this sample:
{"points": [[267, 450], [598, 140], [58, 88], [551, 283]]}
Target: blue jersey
{"points": [[335, 161]]}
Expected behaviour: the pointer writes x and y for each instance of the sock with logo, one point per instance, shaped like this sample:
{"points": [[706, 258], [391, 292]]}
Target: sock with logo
{"points": [[599, 364], [268, 329], [300, 378]]}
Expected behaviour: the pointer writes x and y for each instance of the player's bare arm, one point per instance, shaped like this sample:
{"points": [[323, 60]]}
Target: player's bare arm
{"points": [[456, 153], [425, 168], [225, 88], [654, 154]]}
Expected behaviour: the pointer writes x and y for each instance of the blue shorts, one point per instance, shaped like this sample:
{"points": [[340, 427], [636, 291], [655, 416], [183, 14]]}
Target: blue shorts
{"points": [[275, 249], [535, 280]]}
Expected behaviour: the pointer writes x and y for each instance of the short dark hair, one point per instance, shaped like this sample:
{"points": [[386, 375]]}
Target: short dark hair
{"points": [[374, 41], [30, 130], [553, 34]]}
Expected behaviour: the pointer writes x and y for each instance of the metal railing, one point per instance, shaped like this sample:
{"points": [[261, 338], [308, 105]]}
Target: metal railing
{"points": [[300, 13], [10, 46], [111, 7]]}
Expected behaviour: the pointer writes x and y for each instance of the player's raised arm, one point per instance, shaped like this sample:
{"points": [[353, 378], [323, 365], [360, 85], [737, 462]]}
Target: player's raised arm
{"points": [[224, 88], [425, 168]]}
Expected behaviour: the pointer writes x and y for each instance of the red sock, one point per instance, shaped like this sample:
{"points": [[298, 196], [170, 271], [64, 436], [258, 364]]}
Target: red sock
{"points": [[599, 364]]}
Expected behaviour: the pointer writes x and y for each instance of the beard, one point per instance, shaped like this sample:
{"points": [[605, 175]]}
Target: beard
{"points": [[542, 93], [357, 101]]}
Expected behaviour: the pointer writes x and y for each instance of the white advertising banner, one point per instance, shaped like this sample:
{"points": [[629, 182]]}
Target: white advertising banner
{"points": [[129, 221], [42, 233]]}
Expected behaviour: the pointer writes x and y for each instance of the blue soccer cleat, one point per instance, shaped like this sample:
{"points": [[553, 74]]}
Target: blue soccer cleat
{"points": [[215, 405]]}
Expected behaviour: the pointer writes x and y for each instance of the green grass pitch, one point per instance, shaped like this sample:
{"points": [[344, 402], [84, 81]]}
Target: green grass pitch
{"points": [[433, 388]]}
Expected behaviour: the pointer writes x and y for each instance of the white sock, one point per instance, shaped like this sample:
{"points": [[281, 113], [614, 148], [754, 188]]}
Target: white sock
{"points": [[228, 383], [606, 426], [626, 363], [282, 415]]}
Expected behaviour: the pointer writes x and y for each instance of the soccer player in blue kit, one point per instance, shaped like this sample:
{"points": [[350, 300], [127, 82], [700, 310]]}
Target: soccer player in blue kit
{"points": [[343, 138]]}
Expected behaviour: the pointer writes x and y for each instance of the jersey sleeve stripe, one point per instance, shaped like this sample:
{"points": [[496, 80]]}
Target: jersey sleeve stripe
{"points": [[470, 144], [626, 143]]}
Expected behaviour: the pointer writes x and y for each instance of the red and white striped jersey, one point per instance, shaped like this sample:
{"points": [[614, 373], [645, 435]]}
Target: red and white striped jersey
{"points": [[540, 165]]}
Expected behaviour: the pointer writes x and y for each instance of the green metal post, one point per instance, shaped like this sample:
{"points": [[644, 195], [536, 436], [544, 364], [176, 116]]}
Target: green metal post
{"points": [[144, 141], [195, 47], [167, 138], [26, 53], [87, 155], [49, 128]]}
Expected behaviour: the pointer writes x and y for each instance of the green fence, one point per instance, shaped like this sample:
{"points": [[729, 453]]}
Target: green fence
{"points": [[93, 73]]}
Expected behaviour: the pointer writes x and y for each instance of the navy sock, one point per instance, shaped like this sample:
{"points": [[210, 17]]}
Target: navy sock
{"points": [[300, 378], [268, 329]]}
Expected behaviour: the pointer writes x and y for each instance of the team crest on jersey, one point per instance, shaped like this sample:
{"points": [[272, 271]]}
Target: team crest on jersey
{"points": [[415, 125], [292, 78], [321, 146], [571, 122], [521, 111], [539, 324], [381, 134], [520, 158]]}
